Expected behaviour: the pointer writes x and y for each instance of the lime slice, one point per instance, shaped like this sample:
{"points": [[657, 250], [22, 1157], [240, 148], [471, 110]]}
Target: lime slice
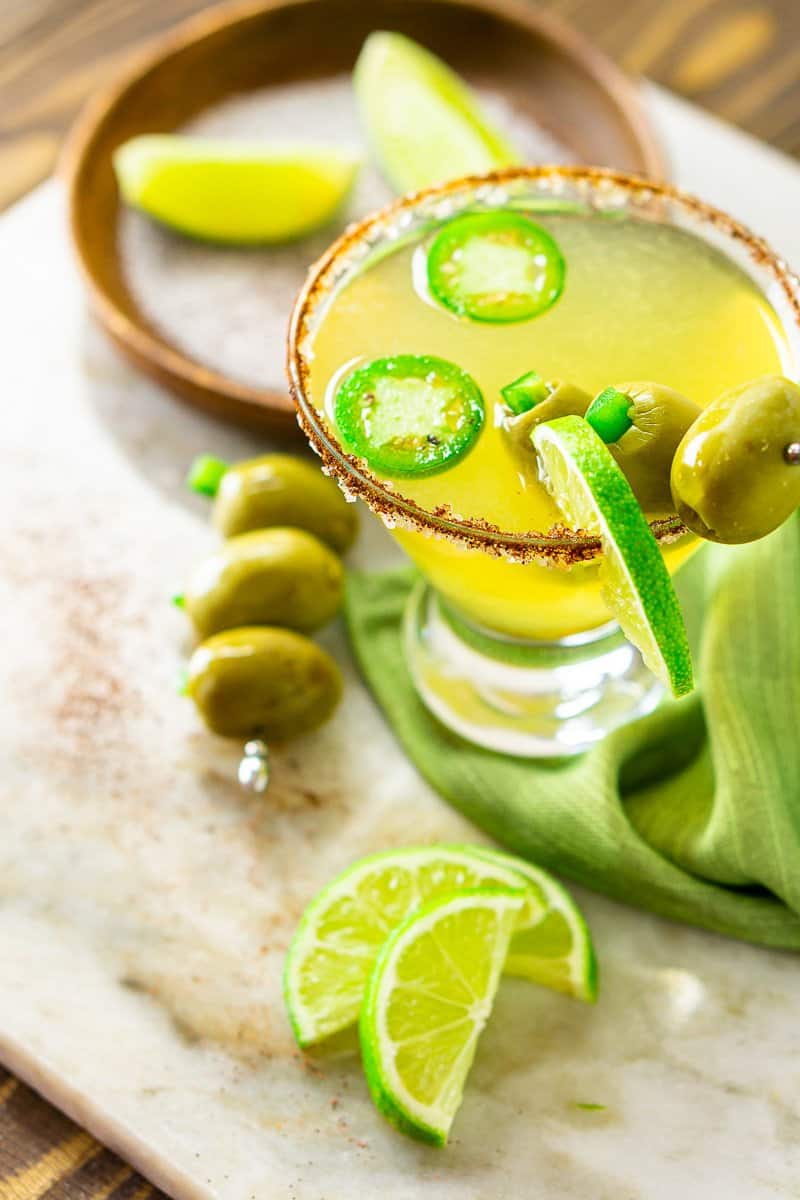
{"points": [[429, 996], [423, 122], [555, 949], [411, 414], [344, 927], [236, 192], [497, 267], [593, 494]]}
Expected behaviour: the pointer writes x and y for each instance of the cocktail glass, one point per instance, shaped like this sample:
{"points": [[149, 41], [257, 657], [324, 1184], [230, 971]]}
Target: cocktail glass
{"points": [[507, 637]]}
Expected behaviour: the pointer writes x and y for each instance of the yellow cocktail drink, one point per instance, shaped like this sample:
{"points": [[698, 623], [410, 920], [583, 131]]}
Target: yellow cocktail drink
{"points": [[641, 301], [433, 345]]}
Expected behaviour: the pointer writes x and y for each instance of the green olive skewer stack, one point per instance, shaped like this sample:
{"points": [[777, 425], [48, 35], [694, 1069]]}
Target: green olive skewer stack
{"points": [[280, 576], [276, 578], [275, 489], [729, 470], [641, 423]]}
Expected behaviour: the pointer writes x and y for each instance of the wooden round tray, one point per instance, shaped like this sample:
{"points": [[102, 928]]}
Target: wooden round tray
{"points": [[545, 70]]}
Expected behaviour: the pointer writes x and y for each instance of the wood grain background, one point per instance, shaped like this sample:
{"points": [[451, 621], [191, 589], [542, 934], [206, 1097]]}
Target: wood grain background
{"points": [[738, 58]]}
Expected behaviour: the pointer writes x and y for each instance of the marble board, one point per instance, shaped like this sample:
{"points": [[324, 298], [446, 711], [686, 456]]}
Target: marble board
{"points": [[146, 902]]}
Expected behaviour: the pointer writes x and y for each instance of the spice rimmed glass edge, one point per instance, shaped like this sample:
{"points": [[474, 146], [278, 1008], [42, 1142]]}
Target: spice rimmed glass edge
{"points": [[533, 698]]}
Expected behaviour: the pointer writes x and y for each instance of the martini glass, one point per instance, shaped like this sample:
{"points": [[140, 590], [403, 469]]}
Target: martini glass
{"points": [[506, 634]]}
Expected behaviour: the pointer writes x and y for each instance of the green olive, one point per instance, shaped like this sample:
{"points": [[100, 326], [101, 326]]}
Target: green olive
{"points": [[278, 489], [734, 478], [267, 577], [564, 400], [263, 681], [659, 418]]}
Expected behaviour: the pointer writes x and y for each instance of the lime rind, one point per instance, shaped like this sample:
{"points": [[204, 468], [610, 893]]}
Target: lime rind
{"points": [[235, 192], [593, 494], [422, 121], [313, 1019], [431, 1122]]}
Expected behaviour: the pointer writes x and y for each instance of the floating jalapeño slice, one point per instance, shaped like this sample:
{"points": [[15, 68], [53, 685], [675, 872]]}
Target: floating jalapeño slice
{"points": [[496, 267], [411, 414]]}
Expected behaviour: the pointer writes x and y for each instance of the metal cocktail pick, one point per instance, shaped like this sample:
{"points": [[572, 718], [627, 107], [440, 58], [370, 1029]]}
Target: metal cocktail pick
{"points": [[253, 770], [792, 454]]}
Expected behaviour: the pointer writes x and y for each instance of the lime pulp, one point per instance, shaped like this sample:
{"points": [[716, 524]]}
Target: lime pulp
{"points": [[553, 949], [428, 999], [346, 924]]}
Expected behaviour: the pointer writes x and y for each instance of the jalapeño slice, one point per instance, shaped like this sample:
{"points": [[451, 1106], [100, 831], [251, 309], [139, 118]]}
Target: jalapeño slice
{"points": [[411, 414], [496, 267]]}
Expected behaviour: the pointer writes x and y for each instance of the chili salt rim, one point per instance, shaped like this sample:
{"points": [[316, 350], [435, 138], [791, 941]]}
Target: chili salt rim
{"points": [[558, 546]]}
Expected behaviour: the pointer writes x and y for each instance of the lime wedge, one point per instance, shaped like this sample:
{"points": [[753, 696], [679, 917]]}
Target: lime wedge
{"points": [[423, 122], [555, 949], [344, 927], [593, 494], [235, 192], [429, 996]]}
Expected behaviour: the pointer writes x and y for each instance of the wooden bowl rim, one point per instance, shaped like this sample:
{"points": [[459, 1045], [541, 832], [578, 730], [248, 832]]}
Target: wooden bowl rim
{"points": [[162, 356]]}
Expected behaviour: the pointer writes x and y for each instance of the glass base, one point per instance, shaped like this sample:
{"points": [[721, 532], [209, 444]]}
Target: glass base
{"points": [[530, 699]]}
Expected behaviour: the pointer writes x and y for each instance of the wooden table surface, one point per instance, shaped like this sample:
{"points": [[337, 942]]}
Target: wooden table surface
{"points": [[738, 58]]}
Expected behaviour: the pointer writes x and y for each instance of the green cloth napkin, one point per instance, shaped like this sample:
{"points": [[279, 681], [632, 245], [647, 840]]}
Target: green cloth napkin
{"points": [[694, 811]]}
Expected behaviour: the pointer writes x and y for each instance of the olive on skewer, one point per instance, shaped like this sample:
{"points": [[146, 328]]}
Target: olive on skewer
{"points": [[736, 473], [275, 489], [642, 424]]}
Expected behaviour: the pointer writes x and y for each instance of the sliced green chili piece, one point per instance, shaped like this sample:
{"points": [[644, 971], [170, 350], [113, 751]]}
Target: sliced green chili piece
{"points": [[409, 414], [495, 266]]}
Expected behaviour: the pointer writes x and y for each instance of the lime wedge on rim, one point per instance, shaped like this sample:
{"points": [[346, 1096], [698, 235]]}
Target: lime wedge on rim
{"points": [[429, 996], [233, 191], [593, 494], [423, 122], [345, 925], [554, 949]]}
